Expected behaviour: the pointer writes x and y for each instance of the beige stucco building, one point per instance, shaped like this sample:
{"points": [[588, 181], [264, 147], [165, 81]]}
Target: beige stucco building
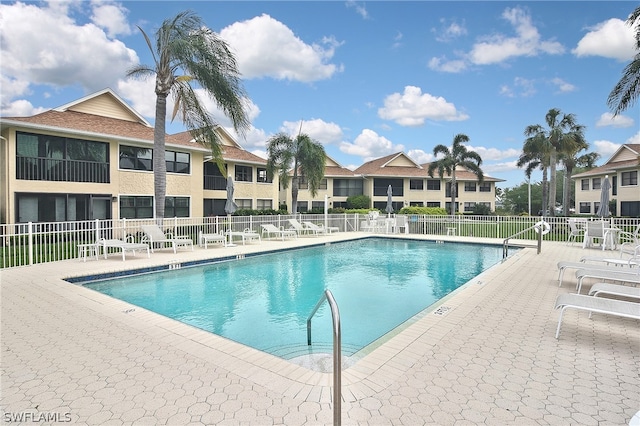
{"points": [[622, 169], [92, 159]]}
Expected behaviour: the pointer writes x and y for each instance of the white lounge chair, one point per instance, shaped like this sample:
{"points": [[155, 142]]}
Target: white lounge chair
{"points": [[154, 236], [628, 253], [298, 227], [596, 304], [614, 290], [627, 275], [247, 235], [564, 265], [319, 229], [215, 238], [123, 246], [271, 230]]}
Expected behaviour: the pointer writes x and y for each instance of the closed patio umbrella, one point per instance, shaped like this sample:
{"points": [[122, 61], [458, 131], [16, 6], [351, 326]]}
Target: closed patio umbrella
{"points": [[230, 207], [603, 210], [389, 208]]}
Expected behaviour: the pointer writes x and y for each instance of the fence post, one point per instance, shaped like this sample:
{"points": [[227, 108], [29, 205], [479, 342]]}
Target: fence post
{"points": [[30, 224], [97, 230], [497, 226]]}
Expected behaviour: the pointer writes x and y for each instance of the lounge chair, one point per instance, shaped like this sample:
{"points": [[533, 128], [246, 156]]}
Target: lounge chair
{"points": [[154, 236], [298, 227], [629, 254], [215, 238], [271, 230], [564, 265], [614, 290], [320, 229], [627, 275], [247, 235], [123, 246], [596, 304]]}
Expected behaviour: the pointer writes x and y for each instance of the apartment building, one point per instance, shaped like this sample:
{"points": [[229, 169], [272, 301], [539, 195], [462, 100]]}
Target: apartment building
{"points": [[622, 169], [93, 159], [409, 181]]}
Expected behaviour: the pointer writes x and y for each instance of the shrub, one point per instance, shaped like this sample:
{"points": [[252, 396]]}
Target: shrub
{"points": [[358, 202], [433, 211]]}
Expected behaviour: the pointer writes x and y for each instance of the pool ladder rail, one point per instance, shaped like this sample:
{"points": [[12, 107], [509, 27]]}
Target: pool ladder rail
{"points": [[337, 355]]}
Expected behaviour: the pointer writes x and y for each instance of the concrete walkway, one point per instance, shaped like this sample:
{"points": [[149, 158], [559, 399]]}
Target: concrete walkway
{"points": [[485, 355]]}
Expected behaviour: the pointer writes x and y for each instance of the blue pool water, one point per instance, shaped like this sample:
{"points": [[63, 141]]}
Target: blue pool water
{"points": [[264, 301]]}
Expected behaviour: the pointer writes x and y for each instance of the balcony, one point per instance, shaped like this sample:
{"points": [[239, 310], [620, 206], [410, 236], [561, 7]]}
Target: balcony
{"points": [[61, 170]]}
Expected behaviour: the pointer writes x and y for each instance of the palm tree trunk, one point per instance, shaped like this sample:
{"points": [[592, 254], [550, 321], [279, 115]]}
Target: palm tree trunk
{"points": [[566, 191], [552, 184], [159, 163], [545, 191], [454, 186]]}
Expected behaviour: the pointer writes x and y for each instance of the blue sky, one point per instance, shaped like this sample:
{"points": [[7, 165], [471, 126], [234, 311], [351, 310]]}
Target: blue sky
{"points": [[367, 79]]}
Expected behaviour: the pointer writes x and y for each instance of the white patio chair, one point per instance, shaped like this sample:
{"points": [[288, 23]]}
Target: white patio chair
{"points": [[155, 236]]}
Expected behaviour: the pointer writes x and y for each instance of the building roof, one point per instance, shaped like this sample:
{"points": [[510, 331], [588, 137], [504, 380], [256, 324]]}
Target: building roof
{"points": [[396, 165], [626, 157], [462, 174]]}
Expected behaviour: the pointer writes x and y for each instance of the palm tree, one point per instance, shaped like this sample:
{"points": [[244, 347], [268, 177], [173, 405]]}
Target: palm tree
{"points": [[458, 156], [302, 155], [561, 130], [188, 52], [535, 155], [626, 92], [568, 156]]}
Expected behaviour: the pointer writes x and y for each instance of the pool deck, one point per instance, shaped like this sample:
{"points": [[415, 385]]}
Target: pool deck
{"points": [[485, 355]]}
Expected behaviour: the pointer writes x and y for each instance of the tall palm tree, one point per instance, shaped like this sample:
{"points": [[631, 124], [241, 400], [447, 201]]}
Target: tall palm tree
{"points": [[569, 158], [627, 91], [186, 52], [561, 129], [303, 156], [535, 155], [458, 156]]}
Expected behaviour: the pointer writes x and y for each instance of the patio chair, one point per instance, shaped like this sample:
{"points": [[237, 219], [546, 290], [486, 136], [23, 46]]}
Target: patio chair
{"points": [[123, 246], [596, 304], [154, 236], [595, 231], [298, 227], [247, 235], [574, 231], [215, 238], [270, 230], [627, 255]]}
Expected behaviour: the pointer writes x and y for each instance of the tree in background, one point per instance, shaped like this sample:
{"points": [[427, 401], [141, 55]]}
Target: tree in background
{"points": [[536, 155], [516, 199], [458, 156], [562, 129], [186, 52], [626, 92], [302, 156]]}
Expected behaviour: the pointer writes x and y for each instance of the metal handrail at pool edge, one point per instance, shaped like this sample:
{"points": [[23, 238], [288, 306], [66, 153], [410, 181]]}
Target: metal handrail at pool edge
{"points": [[505, 242], [337, 355]]}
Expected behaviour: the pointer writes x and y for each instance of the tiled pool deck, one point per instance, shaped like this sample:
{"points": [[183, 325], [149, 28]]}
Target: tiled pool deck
{"points": [[491, 358]]}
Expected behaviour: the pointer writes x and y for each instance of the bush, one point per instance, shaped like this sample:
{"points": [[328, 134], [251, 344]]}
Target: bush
{"points": [[358, 202], [482, 210], [432, 211], [250, 212]]}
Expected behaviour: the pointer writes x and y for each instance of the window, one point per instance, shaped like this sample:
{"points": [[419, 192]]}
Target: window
{"points": [[629, 178], [596, 206], [595, 183], [585, 207], [323, 184], [416, 203], [213, 178], [469, 187], [317, 205], [302, 183], [416, 184], [263, 176], [134, 158], [42, 207], [630, 208], [433, 203], [447, 189], [176, 207], [347, 187], [243, 174], [177, 162], [381, 186], [136, 207], [52, 158], [433, 185], [584, 184], [244, 204], [468, 207], [485, 187], [303, 206], [264, 204], [447, 206]]}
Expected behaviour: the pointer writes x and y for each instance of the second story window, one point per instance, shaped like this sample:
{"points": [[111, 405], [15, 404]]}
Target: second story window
{"points": [[177, 162], [416, 184], [263, 176], [584, 184], [135, 158], [433, 185], [485, 187], [243, 174], [596, 183], [470, 187], [629, 178]]}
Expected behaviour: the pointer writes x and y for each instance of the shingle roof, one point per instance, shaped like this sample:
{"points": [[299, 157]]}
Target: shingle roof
{"points": [[609, 168], [461, 174]]}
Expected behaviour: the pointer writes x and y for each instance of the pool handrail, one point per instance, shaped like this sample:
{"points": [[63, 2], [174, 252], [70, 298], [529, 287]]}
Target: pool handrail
{"points": [[505, 242], [337, 356]]}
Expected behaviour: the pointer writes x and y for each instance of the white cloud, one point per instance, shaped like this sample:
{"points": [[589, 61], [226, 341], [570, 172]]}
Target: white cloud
{"points": [[19, 108], [369, 145], [500, 167], [635, 139], [112, 17], [521, 87], [563, 86], [317, 129], [412, 108], [498, 48], [265, 47], [44, 46], [610, 39], [493, 154], [608, 119], [359, 8], [606, 148], [449, 31], [420, 156]]}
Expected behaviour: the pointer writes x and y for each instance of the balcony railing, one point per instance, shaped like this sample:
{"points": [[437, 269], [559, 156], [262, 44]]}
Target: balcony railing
{"points": [[215, 182], [61, 170]]}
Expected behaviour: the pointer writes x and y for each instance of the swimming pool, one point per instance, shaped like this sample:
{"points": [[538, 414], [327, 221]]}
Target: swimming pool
{"points": [[264, 301]]}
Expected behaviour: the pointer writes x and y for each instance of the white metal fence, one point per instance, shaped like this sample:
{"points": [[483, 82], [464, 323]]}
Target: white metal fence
{"points": [[31, 243]]}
